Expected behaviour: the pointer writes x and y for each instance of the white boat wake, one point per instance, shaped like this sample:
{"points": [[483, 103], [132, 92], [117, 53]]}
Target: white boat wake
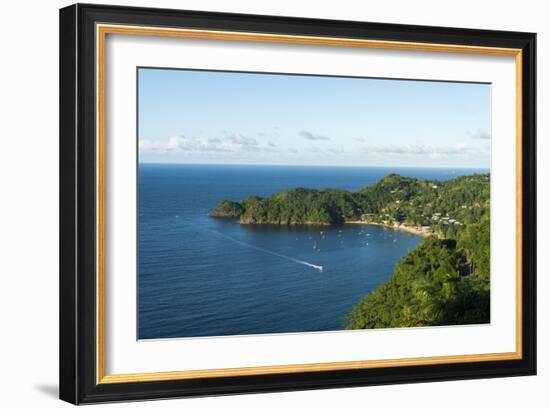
{"points": [[295, 260]]}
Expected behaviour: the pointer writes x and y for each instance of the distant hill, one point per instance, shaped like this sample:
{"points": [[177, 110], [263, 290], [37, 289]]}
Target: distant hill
{"points": [[393, 199]]}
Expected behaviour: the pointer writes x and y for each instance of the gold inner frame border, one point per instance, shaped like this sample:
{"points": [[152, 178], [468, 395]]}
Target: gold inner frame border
{"points": [[102, 30]]}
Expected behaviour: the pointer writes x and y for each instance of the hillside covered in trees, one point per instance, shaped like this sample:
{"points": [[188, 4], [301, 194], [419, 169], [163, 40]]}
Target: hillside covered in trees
{"points": [[444, 281], [441, 282], [394, 199]]}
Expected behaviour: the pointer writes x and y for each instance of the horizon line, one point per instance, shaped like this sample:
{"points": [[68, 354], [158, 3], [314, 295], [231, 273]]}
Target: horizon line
{"points": [[316, 165]]}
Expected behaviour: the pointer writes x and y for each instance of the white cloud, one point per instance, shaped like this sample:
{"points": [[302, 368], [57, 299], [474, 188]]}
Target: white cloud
{"points": [[232, 143], [423, 150], [239, 139], [314, 136], [479, 134]]}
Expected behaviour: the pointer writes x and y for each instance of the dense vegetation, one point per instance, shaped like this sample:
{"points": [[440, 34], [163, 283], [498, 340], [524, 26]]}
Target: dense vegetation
{"points": [[227, 208], [441, 282], [394, 199], [444, 281]]}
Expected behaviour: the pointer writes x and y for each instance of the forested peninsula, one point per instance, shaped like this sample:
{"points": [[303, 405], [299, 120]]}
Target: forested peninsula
{"points": [[444, 281]]}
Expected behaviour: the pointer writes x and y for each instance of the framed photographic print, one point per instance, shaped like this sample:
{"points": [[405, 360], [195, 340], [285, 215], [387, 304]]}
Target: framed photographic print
{"points": [[257, 203]]}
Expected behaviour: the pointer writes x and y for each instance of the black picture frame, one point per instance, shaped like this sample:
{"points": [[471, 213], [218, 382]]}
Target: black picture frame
{"points": [[78, 360]]}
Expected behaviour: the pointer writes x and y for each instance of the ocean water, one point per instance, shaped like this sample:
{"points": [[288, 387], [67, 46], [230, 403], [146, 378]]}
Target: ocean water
{"points": [[202, 276]]}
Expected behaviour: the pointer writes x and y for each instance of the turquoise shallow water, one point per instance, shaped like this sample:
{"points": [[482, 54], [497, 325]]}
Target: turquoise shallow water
{"points": [[201, 276]]}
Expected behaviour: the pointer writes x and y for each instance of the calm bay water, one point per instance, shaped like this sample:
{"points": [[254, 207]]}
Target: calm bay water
{"points": [[201, 276]]}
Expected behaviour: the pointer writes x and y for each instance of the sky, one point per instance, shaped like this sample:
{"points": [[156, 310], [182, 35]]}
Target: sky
{"points": [[211, 117]]}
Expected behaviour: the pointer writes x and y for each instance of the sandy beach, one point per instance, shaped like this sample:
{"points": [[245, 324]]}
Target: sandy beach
{"points": [[395, 226]]}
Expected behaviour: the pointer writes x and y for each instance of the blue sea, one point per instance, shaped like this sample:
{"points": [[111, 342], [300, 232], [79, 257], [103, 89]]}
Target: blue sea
{"points": [[202, 276]]}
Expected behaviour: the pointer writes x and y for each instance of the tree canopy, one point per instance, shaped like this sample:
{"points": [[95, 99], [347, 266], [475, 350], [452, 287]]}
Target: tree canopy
{"points": [[393, 199], [441, 282]]}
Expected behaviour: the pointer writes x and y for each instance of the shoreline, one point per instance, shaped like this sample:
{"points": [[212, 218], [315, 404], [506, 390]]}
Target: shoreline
{"points": [[409, 229], [286, 224], [395, 226]]}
